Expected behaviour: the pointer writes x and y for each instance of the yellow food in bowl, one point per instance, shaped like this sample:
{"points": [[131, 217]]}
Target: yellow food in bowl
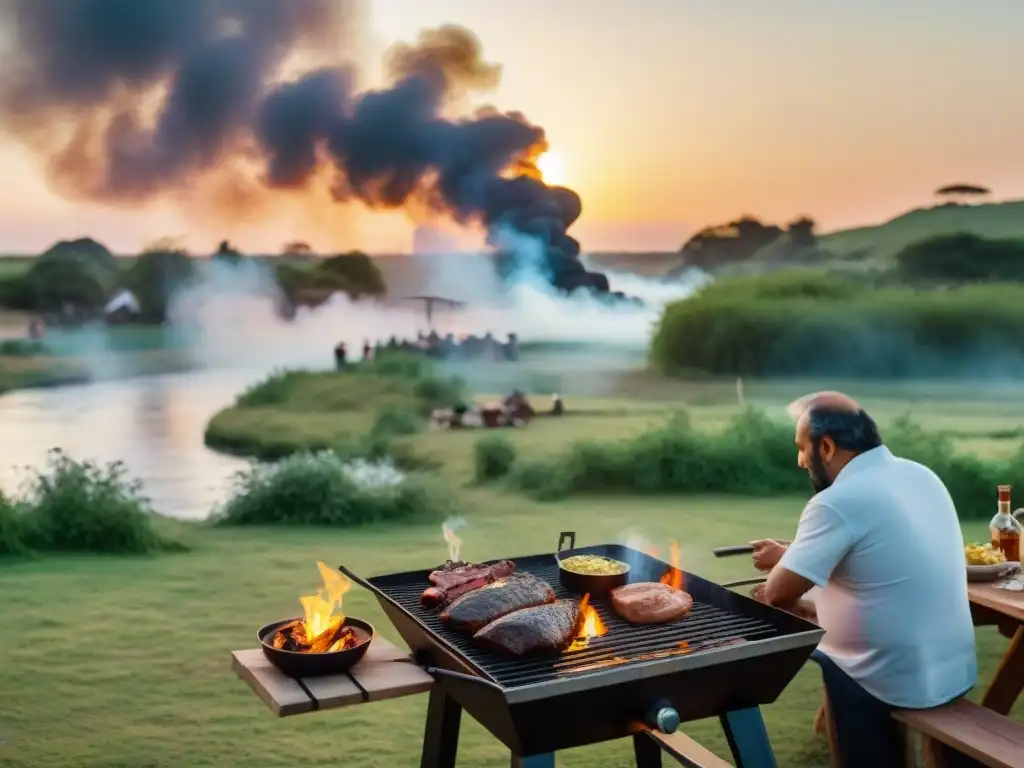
{"points": [[984, 554], [594, 565]]}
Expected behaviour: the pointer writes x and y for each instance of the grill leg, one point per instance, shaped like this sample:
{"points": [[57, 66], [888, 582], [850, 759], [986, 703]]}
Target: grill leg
{"points": [[748, 738], [646, 751], [547, 760], [441, 736]]}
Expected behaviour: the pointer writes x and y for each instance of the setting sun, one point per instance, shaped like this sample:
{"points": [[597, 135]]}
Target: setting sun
{"points": [[552, 168]]}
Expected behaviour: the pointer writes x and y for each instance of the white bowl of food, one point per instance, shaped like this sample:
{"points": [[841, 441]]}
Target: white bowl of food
{"points": [[987, 563]]}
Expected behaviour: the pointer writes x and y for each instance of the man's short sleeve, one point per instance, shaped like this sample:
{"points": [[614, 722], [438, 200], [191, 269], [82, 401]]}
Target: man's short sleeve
{"points": [[822, 540]]}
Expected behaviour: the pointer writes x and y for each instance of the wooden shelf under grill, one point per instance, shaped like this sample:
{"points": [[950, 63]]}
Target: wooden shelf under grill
{"points": [[385, 672]]}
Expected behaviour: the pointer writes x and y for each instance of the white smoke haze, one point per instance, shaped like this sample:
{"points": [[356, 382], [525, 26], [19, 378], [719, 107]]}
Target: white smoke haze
{"points": [[232, 315]]}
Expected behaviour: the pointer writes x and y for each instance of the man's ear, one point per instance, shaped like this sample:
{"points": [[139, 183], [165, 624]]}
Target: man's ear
{"points": [[827, 448]]}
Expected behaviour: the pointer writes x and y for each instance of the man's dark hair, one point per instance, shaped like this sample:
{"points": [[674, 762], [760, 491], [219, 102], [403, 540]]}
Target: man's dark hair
{"points": [[851, 430]]}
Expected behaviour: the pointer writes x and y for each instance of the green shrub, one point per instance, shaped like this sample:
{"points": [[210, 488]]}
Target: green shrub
{"points": [[358, 270], [12, 529], [541, 480], [396, 421], [438, 392], [753, 455], [746, 328], [493, 458], [51, 283], [961, 257], [22, 347], [275, 389], [323, 489], [79, 506], [155, 277]]}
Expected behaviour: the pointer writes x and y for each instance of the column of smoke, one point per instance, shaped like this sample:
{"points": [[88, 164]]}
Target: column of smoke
{"points": [[131, 102]]}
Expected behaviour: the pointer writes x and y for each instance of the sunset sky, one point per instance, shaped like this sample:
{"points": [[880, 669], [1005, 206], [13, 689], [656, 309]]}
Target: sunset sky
{"points": [[668, 115]]}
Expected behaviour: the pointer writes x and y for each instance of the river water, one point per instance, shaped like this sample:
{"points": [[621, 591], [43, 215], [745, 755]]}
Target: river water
{"points": [[153, 424]]}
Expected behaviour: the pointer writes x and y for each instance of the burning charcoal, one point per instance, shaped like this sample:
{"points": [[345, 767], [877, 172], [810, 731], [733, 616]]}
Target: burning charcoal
{"points": [[323, 641], [345, 639]]}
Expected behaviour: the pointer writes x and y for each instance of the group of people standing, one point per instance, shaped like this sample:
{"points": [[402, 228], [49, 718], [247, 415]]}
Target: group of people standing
{"points": [[433, 345]]}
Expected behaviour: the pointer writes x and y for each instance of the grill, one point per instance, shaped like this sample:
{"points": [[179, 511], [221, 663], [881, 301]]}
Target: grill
{"points": [[728, 654]]}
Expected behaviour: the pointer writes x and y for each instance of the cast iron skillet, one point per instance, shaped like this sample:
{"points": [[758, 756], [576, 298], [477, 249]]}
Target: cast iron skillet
{"points": [[582, 583], [297, 664]]}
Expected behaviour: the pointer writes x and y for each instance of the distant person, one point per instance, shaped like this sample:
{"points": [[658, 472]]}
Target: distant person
{"points": [[512, 347], [340, 355], [557, 405], [367, 350], [881, 543], [36, 328]]}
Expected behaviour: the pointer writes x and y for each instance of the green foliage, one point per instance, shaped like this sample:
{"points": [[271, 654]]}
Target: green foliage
{"points": [[79, 506], [352, 273], [325, 489], [22, 348], [493, 458], [735, 241], [396, 421], [796, 325], [12, 527], [84, 248], [54, 281], [754, 455], [155, 277], [357, 269], [275, 389], [962, 257]]}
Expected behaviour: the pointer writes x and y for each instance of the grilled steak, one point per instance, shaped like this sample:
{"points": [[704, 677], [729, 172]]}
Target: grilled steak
{"points": [[548, 628], [452, 574], [650, 603], [482, 606], [457, 578]]}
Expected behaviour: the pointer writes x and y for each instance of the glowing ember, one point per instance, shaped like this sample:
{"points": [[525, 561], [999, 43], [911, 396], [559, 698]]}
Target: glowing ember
{"points": [[454, 542], [323, 629], [674, 577], [590, 626]]}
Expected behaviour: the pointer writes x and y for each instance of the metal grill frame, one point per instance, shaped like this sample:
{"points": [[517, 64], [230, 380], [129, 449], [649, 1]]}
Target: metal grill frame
{"points": [[438, 649]]}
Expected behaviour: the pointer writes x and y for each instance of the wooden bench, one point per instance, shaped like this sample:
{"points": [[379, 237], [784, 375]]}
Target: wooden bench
{"points": [[992, 739]]}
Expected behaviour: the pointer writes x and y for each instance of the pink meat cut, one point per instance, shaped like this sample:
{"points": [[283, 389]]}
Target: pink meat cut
{"points": [[453, 580], [649, 602]]}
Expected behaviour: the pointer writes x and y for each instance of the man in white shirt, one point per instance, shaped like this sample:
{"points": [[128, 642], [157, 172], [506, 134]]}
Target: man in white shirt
{"points": [[880, 544]]}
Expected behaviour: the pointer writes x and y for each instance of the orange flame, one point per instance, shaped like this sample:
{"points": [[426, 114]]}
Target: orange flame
{"points": [[323, 615], [591, 626], [674, 576]]}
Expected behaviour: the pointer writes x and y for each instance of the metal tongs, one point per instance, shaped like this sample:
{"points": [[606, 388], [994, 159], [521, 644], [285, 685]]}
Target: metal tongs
{"points": [[738, 549]]}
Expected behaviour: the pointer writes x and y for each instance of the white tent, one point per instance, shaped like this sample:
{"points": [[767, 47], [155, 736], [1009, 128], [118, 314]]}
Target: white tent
{"points": [[125, 300]]}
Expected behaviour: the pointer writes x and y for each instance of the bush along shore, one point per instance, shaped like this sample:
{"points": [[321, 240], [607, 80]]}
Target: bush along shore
{"points": [[808, 324], [753, 455], [78, 507], [358, 412]]}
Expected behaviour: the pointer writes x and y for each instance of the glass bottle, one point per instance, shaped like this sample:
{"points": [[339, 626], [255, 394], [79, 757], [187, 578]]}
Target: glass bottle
{"points": [[1005, 529]]}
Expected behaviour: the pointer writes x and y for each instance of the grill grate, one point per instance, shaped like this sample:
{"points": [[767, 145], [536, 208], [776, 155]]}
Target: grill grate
{"points": [[705, 627]]}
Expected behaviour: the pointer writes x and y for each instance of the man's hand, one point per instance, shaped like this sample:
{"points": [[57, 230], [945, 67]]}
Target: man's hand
{"points": [[767, 553]]}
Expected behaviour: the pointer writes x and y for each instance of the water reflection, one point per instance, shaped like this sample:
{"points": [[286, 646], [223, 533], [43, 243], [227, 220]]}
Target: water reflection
{"points": [[154, 425]]}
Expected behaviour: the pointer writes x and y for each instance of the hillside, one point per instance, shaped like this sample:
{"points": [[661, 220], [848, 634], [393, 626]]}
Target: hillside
{"points": [[859, 246], [881, 242]]}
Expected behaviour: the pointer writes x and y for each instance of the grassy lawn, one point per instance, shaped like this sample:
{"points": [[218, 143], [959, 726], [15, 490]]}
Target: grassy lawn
{"points": [[124, 662]]}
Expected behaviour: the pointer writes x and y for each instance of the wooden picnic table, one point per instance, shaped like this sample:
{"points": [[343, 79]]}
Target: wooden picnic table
{"points": [[1004, 609]]}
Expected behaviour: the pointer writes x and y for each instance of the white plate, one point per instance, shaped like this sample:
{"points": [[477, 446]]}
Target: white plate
{"points": [[991, 572]]}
